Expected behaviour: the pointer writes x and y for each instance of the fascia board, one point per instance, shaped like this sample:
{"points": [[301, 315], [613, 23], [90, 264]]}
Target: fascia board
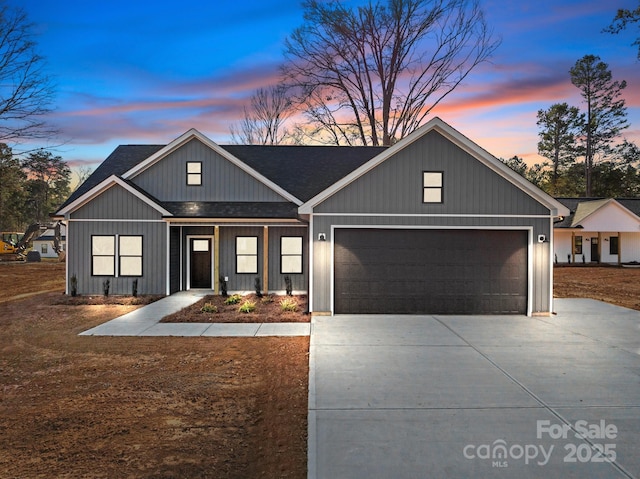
{"points": [[193, 133], [104, 186], [556, 208]]}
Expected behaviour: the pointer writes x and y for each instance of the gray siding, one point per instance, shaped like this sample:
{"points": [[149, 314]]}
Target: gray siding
{"points": [[153, 256], [395, 186], [221, 179], [116, 203]]}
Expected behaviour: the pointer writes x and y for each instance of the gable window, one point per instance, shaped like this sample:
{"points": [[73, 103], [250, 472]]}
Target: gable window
{"points": [[613, 245], [44, 248], [291, 254], [194, 173], [103, 255], [247, 254], [577, 245], [432, 186], [130, 255]]}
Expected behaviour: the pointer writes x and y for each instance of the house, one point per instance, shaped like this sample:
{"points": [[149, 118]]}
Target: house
{"points": [[44, 244], [432, 224], [598, 230]]}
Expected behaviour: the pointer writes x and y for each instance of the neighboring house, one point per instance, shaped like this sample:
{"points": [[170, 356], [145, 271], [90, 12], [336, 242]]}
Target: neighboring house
{"points": [[601, 230], [433, 224], [43, 244]]}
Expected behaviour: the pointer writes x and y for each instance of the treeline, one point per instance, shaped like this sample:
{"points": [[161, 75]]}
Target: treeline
{"points": [[31, 187], [586, 153]]}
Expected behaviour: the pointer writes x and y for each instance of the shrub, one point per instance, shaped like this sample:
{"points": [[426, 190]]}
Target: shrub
{"points": [[105, 286], [289, 304], [223, 286], [233, 299], [258, 287], [134, 288], [288, 285], [247, 307], [73, 283], [267, 299], [209, 308]]}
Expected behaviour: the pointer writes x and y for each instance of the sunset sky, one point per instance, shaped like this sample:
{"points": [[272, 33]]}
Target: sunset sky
{"points": [[130, 72]]}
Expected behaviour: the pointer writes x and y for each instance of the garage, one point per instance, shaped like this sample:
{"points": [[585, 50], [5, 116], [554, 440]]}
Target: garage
{"points": [[430, 271]]}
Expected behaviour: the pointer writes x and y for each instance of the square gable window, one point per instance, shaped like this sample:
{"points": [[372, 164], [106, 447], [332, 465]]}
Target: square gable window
{"points": [[432, 186], [194, 173]]}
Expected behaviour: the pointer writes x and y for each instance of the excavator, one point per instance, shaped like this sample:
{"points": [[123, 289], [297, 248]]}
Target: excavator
{"points": [[13, 245]]}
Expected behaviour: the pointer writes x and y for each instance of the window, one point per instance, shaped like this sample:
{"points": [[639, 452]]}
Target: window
{"points": [[432, 186], [104, 252], [291, 254], [613, 245], [247, 254], [577, 245], [103, 255], [194, 173], [130, 254], [44, 248]]}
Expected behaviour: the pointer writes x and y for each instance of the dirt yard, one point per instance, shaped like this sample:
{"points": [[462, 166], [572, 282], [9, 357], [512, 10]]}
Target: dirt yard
{"points": [[619, 286], [102, 407]]}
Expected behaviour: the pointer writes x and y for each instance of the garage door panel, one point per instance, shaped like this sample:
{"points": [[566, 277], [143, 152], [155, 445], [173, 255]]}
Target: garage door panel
{"points": [[430, 271]]}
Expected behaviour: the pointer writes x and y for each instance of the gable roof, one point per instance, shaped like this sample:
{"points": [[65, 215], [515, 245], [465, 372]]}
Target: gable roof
{"points": [[436, 124], [580, 209]]}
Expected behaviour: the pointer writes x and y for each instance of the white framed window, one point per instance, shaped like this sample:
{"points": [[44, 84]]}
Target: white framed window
{"points": [[291, 254], [432, 186], [103, 255], [247, 254], [194, 173], [130, 255], [44, 248]]}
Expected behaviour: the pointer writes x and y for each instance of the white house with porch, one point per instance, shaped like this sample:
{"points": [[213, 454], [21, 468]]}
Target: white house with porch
{"points": [[598, 231]]}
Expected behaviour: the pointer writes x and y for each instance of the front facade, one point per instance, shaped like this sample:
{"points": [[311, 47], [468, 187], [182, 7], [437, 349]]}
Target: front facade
{"points": [[433, 224]]}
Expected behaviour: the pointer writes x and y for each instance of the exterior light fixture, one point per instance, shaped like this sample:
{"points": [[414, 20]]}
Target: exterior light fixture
{"points": [[322, 237]]}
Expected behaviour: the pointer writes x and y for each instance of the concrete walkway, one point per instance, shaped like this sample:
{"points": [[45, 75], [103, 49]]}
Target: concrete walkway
{"points": [[145, 321], [481, 397]]}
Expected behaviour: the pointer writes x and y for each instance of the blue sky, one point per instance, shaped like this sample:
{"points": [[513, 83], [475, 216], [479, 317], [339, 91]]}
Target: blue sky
{"points": [[145, 72]]}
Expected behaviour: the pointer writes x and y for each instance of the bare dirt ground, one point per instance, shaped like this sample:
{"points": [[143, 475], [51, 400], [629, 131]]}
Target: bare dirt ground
{"points": [[268, 309], [613, 285], [102, 407]]}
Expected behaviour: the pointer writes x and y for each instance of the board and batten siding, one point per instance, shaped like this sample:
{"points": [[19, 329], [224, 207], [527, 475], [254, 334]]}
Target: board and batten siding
{"points": [[395, 186], [117, 212], [221, 179]]}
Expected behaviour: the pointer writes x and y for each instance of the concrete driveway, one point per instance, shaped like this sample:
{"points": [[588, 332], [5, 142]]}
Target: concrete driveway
{"points": [[481, 397]]}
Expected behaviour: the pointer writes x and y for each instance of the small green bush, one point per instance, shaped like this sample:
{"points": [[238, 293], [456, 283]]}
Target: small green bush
{"points": [[288, 304], [209, 308], [247, 307], [267, 299], [233, 299]]}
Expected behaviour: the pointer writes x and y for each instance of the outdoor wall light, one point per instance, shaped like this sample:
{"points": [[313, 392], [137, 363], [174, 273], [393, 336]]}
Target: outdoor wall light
{"points": [[322, 237], [542, 238]]}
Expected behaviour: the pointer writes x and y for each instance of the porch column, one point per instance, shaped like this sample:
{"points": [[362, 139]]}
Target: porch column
{"points": [[265, 262], [619, 248], [599, 247], [216, 260], [573, 246]]}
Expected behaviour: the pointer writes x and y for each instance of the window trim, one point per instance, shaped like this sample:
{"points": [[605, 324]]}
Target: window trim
{"points": [[117, 256], [195, 175], [426, 187], [613, 240], [247, 255], [577, 244], [291, 255]]}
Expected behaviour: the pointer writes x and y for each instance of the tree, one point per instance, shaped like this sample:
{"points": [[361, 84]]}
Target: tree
{"points": [[47, 184], [622, 20], [372, 75], [263, 123], [25, 90], [11, 191], [560, 125], [606, 111]]}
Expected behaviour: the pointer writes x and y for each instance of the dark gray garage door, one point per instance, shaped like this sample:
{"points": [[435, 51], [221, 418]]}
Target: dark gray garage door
{"points": [[391, 271]]}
